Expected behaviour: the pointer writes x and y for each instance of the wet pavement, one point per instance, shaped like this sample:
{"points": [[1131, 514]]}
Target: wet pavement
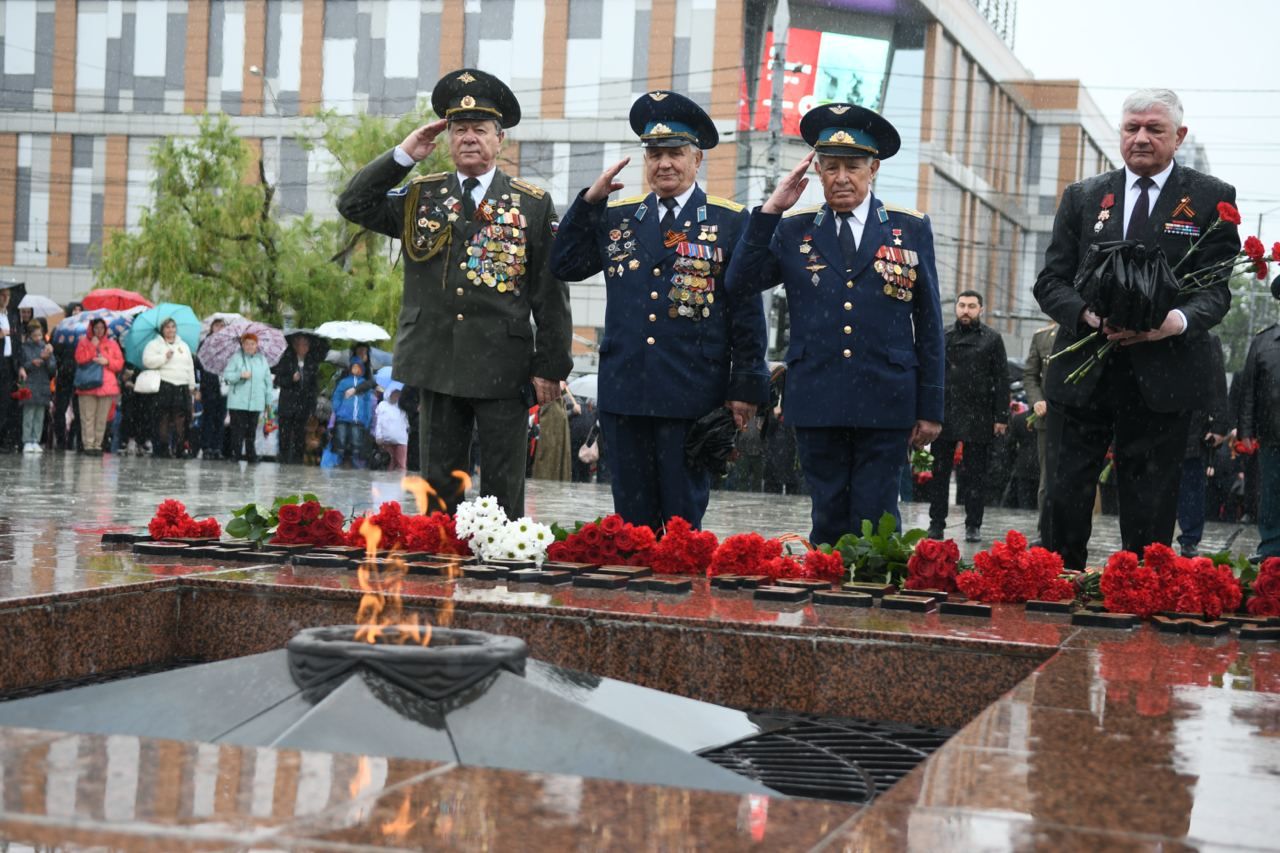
{"points": [[1125, 740]]}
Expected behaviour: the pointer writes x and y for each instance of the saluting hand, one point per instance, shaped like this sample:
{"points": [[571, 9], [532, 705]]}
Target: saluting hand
{"points": [[789, 189], [422, 141], [607, 183]]}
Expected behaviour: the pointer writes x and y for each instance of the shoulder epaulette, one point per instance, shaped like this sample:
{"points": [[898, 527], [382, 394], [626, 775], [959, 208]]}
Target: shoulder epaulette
{"points": [[434, 176], [802, 210], [724, 202], [531, 189], [899, 209], [635, 199]]}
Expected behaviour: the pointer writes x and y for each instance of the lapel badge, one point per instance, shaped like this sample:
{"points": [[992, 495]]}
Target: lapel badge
{"points": [[815, 279], [633, 265], [1108, 201], [702, 213], [882, 214], [821, 215], [1184, 208], [641, 211]]}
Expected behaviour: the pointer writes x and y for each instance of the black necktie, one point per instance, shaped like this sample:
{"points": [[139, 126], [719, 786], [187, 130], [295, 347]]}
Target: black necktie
{"points": [[1137, 229], [668, 222], [848, 245], [468, 202]]}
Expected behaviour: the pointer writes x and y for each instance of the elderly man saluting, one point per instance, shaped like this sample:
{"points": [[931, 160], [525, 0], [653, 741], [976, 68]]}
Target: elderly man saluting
{"points": [[1142, 395], [865, 365], [674, 347], [476, 244]]}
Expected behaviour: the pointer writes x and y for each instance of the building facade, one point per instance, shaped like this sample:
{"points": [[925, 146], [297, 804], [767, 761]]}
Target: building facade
{"points": [[87, 87]]}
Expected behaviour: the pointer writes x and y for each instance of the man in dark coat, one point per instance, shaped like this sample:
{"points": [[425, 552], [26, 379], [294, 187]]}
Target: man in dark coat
{"points": [[1258, 417], [865, 362], [476, 244], [1142, 393], [977, 408], [1024, 479], [64, 396], [1206, 430], [11, 372], [298, 378], [674, 347]]}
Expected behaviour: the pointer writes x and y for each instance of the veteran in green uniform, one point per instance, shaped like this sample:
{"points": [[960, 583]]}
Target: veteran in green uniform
{"points": [[484, 326]]}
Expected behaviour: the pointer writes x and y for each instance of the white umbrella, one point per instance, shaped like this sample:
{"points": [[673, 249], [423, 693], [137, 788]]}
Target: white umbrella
{"points": [[353, 330], [41, 306], [224, 316], [585, 386]]}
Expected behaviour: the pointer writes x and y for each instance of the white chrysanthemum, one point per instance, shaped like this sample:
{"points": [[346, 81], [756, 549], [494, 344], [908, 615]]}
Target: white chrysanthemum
{"points": [[528, 539], [477, 520]]}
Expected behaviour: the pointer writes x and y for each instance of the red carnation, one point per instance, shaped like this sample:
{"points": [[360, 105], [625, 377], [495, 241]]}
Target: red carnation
{"points": [[1260, 270], [1275, 251], [1227, 213], [823, 567], [1253, 249], [290, 513]]}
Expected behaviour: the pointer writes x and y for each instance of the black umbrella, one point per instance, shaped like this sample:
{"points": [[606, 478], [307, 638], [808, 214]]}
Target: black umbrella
{"points": [[319, 345], [1128, 284], [709, 443]]}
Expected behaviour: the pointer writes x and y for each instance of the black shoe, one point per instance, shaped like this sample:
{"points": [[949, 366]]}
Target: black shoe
{"points": [[972, 534], [936, 532], [1189, 551]]}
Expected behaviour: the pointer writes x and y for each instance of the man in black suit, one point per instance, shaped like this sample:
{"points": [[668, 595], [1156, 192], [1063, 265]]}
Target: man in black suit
{"points": [[1142, 393]]}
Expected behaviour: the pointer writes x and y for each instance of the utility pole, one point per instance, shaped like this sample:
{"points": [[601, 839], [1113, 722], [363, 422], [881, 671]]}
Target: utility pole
{"points": [[778, 69]]}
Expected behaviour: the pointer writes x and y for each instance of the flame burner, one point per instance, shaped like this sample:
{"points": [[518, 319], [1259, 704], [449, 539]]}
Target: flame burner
{"points": [[453, 662]]}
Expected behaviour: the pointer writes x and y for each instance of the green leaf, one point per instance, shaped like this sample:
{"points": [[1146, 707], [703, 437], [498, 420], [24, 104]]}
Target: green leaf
{"points": [[887, 525], [310, 498], [866, 527], [912, 537], [237, 527]]}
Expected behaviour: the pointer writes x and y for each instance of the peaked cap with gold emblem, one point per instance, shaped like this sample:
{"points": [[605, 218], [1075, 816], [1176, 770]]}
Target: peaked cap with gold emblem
{"points": [[470, 94], [847, 130], [665, 119]]}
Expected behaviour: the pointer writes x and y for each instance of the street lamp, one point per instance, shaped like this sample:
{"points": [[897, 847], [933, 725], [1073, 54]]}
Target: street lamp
{"points": [[257, 72]]}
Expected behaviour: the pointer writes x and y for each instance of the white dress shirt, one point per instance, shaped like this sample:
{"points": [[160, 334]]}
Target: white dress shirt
{"points": [[4, 329], [857, 219], [681, 201], [1132, 191]]}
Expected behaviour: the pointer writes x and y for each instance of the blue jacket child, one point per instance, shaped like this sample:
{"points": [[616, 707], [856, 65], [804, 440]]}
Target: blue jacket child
{"points": [[352, 413]]}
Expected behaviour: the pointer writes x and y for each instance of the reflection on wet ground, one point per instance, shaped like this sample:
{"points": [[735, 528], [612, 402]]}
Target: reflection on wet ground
{"points": [[56, 506]]}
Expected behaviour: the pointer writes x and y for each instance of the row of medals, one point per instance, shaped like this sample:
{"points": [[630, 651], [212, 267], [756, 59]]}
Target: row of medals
{"points": [[896, 267], [496, 255], [693, 285]]}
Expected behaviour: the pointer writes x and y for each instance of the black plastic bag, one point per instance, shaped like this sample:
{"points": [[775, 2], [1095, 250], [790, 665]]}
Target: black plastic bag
{"points": [[1128, 284], [709, 443]]}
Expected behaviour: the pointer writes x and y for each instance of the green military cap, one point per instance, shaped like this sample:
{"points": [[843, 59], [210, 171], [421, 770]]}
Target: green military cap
{"points": [[470, 94]]}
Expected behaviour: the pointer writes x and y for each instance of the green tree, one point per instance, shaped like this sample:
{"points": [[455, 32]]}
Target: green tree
{"points": [[1252, 310], [214, 241]]}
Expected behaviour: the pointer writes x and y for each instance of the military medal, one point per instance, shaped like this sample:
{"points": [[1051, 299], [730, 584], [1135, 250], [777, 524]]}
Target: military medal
{"points": [[1184, 208], [1108, 201], [615, 235], [897, 236], [805, 248], [633, 265]]}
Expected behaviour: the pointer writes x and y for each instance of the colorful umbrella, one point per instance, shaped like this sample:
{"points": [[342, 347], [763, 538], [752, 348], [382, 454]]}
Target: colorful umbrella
{"points": [[218, 348], [41, 306], [224, 316], [72, 329], [114, 299], [353, 330], [147, 325]]}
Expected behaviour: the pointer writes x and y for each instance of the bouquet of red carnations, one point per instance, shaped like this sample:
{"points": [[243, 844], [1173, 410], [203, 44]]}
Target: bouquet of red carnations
{"points": [[171, 521]]}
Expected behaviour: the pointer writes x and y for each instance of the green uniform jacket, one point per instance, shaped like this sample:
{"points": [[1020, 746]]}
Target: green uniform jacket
{"points": [[470, 288], [1035, 366]]}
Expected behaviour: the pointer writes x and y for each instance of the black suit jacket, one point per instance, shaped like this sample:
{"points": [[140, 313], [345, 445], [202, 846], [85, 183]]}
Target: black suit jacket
{"points": [[1174, 373]]}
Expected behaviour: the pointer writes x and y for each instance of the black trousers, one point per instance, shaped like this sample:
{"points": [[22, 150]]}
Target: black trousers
{"points": [[65, 396], [1149, 447], [446, 423], [244, 428], [977, 458], [10, 411], [293, 435]]}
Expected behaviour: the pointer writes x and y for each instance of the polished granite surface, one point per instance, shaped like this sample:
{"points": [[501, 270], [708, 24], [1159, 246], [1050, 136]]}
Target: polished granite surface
{"points": [[1124, 740]]}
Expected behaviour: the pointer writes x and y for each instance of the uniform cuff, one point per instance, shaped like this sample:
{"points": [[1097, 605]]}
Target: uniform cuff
{"points": [[1183, 318], [401, 157], [748, 388]]}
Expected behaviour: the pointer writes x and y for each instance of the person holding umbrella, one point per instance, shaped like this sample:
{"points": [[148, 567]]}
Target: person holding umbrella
{"points": [[298, 378], [97, 394], [170, 357], [249, 376], [11, 372], [212, 401]]}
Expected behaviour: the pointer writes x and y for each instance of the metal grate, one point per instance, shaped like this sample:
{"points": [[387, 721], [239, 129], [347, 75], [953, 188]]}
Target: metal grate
{"points": [[96, 678], [828, 758]]}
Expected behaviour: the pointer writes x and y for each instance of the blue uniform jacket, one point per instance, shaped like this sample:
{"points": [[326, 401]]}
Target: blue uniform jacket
{"points": [[656, 359], [866, 350]]}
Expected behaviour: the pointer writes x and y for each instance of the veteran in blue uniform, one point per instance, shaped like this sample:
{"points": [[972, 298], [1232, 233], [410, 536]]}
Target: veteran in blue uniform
{"points": [[866, 361], [674, 347]]}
